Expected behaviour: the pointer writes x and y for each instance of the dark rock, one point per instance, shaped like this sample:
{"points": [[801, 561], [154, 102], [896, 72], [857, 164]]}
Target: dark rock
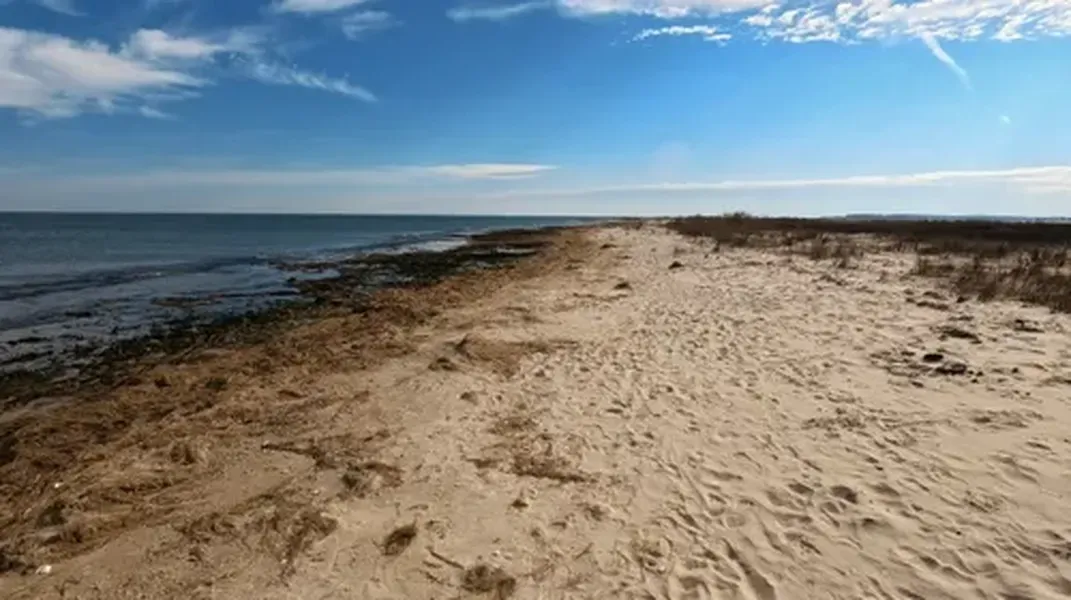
{"points": [[676, 265], [933, 357], [10, 563], [624, 285], [951, 368], [932, 305], [951, 331], [1026, 326], [443, 364]]}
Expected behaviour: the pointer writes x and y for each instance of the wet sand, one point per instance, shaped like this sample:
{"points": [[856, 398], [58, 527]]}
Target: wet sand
{"points": [[629, 414]]}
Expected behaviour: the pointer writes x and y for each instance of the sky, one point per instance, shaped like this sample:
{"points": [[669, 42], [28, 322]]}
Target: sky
{"points": [[596, 107]]}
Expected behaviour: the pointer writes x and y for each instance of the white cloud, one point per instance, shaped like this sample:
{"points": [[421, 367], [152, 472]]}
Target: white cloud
{"points": [[315, 6], [360, 24], [1026, 178], [385, 175], [51, 76], [154, 113], [854, 21], [63, 7], [940, 54], [275, 74], [961, 20], [1005, 119], [154, 44], [668, 9], [797, 26], [1009, 31], [489, 170], [709, 33], [500, 12]]}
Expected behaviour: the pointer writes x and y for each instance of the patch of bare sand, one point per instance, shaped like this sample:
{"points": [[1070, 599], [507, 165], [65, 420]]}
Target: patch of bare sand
{"points": [[745, 424]]}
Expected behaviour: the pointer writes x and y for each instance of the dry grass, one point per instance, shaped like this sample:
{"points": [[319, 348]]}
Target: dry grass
{"points": [[485, 579], [501, 356], [284, 523], [528, 451], [366, 478], [546, 465], [1026, 261]]}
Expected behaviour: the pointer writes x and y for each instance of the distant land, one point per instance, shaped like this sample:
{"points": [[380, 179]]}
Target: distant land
{"points": [[922, 217]]}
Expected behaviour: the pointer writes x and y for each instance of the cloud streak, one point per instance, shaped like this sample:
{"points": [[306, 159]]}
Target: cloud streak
{"points": [[940, 54], [1030, 179], [275, 74], [1044, 179], [63, 7], [666, 9], [361, 24], [707, 32], [490, 170], [310, 7], [384, 175], [464, 14]]}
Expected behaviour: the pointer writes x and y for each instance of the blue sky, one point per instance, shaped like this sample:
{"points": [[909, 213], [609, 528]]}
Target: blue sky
{"points": [[546, 106]]}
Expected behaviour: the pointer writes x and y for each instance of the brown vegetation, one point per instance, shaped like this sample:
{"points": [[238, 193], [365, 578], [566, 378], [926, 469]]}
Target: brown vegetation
{"points": [[98, 459], [1025, 261]]}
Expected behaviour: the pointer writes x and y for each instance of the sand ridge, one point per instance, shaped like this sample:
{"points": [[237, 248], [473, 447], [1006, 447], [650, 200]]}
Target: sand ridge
{"points": [[748, 424]]}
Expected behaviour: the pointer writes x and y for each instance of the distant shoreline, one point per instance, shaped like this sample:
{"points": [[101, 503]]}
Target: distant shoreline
{"points": [[349, 282]]}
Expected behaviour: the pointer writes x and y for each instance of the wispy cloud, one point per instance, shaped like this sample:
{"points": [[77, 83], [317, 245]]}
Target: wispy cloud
{"points": [[1005, 119], [63, 7], [938, 20], [851, 21], [489, 170], [314, 6], [500, 12], [51, 76], [276, 74], [154, 113], [667, 9], [154, 44], [709, 33], [940, 54], [1049, 178], [361, 24], [383, 175]]}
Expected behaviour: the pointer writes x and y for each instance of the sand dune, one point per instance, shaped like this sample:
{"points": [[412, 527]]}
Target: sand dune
{"points": [[746, 425]]}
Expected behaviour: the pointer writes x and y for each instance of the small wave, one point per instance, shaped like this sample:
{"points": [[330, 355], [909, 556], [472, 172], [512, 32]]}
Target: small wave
{"points": [[414, 241]]}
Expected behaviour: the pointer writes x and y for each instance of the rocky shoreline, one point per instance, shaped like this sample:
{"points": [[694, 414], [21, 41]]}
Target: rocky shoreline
{"points": [[346, 286]]}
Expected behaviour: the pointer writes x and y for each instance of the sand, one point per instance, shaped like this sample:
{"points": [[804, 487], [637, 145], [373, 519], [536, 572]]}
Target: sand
{"points": [[746, 424]]}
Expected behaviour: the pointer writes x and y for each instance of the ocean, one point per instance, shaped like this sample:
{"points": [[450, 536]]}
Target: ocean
{"points": [[78, 278]]}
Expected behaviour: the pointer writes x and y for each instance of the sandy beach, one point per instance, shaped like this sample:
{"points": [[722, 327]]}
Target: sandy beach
{"points": [[630, 414]]}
